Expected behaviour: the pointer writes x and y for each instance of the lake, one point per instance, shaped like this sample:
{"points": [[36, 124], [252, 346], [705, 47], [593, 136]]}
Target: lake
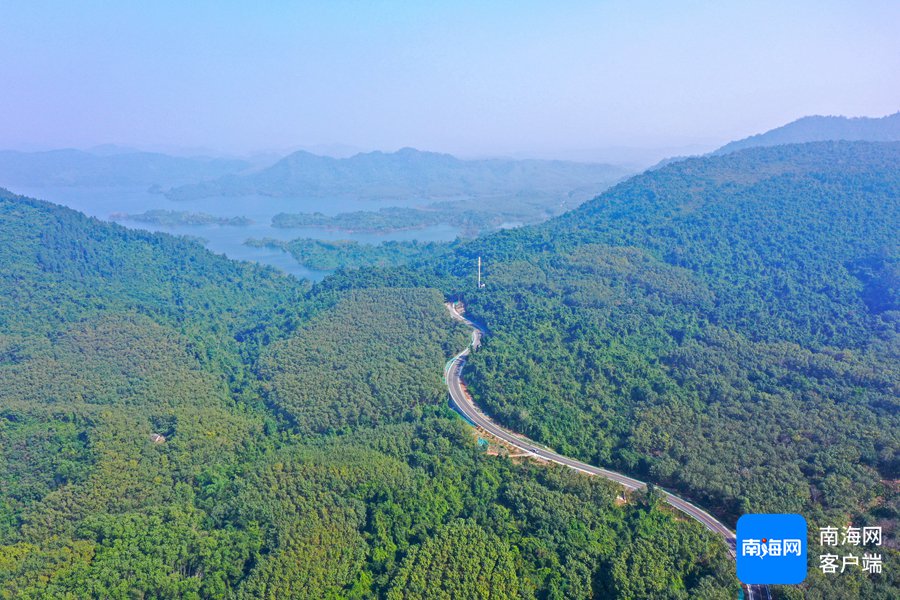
{"points": [[229, 240]]}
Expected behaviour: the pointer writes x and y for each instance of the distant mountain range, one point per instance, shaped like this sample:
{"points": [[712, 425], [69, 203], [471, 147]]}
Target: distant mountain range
{"points": [[106, 167], [406, 174], [822, 129]]}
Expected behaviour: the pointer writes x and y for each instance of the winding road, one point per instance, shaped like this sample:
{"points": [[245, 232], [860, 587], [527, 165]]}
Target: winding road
{"points": [[462, 402]]}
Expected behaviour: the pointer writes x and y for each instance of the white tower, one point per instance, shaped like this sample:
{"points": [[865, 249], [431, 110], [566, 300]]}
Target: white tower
{"points": [[480, 285]]}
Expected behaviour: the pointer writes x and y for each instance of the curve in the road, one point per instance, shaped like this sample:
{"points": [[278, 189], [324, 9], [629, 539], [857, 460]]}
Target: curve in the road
{"points": [[463, 403]]}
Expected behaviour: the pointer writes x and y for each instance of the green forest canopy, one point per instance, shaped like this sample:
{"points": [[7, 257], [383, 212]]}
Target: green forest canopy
{"points": [[725, 326], [163, 433]]}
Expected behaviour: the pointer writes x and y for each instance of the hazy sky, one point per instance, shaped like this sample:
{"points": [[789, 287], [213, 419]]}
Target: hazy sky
{"points": [[465, 77]]}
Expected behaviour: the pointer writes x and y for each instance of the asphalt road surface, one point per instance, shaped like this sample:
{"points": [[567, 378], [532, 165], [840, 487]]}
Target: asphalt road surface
{"points": [[463, 402]]}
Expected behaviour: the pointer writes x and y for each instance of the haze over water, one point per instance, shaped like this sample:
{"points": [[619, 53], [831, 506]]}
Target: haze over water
{"points": [[229, 240]]}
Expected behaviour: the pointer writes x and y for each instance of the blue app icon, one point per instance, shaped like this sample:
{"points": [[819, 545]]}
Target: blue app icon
{"points": [[771, 549]]}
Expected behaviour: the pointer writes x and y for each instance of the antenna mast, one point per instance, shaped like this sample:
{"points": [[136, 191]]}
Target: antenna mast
{"points": [[480, 285]]}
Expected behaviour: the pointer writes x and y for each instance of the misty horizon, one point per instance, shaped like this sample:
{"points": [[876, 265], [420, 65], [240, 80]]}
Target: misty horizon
{"points": [[518, 81], [632, 156]]}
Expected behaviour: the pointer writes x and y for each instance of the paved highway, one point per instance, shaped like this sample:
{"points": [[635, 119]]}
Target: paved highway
{"points": [[463, 402]]}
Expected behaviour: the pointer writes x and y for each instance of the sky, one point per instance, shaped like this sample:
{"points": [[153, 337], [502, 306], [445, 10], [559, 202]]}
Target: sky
{"points": [[521, 77]]}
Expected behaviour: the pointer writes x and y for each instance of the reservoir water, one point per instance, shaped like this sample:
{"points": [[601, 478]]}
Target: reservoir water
{"points": [[229, 240]]}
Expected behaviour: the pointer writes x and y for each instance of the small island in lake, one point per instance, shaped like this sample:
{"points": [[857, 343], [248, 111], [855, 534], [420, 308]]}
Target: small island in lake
{"points": [[180, 217]]}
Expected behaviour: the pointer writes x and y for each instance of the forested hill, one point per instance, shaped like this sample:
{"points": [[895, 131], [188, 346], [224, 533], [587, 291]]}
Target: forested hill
{"points": [[790, 243], [797, 243], [177, 425], [726, 326], [174, 424], [407, 174], [821, 129]]}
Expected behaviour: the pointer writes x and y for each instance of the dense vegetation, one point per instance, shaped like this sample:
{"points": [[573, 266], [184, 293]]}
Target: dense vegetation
{"points": [[472, 216], [387, 361], [180, 217], [726, 326], [177, 425], [711, 325], [323, 255]]}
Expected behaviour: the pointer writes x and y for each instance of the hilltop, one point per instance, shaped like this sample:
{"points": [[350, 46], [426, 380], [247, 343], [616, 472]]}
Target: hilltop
{"points": [[725, 326], [820, 129], [407, 174], [174, 424]]}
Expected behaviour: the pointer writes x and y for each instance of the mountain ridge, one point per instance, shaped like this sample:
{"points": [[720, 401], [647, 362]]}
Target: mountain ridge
{"points": [[407, 173], [821, 128]]}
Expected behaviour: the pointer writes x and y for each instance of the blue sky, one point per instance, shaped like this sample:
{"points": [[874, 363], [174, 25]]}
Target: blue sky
{"points": [[473, 78]]}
